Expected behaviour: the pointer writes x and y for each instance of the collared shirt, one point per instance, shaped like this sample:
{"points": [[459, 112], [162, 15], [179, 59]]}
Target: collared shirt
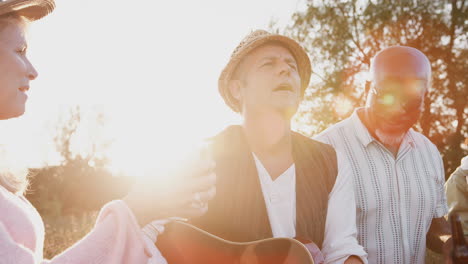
{"points": [[396, 198], [340, 228]]}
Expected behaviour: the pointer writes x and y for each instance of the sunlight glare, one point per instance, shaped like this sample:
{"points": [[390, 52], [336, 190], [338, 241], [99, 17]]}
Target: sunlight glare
{"points": [[151, 67], [342, 106]]}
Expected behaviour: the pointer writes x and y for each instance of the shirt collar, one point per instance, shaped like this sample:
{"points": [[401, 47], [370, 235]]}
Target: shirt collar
{"points": [[361, 130]]}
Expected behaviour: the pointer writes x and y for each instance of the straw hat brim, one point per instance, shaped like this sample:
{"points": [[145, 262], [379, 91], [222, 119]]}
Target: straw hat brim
{"points": [[31, 9], [302, 60]]}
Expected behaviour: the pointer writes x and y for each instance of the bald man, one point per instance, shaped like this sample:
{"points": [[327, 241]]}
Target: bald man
{"points": [[398, 173]]}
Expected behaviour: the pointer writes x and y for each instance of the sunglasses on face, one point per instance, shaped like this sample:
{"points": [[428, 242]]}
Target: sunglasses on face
{"points": [[408, 94]]}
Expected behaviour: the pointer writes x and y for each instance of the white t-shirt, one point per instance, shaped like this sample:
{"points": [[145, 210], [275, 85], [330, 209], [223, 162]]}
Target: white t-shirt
{"points": [[280, 199]]}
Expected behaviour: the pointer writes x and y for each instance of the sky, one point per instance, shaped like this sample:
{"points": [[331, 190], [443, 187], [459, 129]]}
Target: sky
{"points": [[150, 68]]}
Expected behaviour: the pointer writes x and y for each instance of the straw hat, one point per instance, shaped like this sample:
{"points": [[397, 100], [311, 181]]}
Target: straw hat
{"points": [[31, 9], [254, 40]]}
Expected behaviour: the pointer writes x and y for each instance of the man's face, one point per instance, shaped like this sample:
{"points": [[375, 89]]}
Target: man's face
{"points": [[15, 71], [270, 81], [397, 97]]}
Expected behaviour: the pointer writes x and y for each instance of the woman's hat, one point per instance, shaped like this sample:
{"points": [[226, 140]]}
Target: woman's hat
{"points": [[250, 42], [31, 9]]}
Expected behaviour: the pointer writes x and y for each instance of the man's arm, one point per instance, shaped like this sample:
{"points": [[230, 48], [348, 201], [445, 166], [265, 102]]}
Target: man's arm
{"points": [[340, 244], [438, 238]]}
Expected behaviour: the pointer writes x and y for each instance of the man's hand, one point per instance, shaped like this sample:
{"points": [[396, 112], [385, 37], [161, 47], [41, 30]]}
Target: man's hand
{"points": [[183, 193]]}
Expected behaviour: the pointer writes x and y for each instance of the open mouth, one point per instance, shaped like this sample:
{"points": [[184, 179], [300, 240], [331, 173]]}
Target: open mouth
{"points": [[284, 87]]}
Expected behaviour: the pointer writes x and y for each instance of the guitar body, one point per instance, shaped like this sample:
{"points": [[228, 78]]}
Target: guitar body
{"points": [[182, 243]]}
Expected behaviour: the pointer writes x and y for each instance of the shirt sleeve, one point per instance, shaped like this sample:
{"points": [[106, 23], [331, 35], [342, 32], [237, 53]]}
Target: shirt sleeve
{"points": [[441, 206], [116, 238], [340, 229], [12, 252]]}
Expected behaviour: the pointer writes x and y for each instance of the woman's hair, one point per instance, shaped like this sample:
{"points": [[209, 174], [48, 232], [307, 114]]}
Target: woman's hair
{"points": [[13, 177]]}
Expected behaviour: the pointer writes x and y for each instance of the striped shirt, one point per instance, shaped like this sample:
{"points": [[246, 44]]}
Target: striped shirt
{"points": [[396, 198]]}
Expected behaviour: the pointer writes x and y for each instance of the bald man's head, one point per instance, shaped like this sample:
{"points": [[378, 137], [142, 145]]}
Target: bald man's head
{"points": [[400, 62], [400, 78]]}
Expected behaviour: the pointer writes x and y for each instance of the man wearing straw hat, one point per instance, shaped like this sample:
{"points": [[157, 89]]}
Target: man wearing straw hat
{"points": [[271, 181]]}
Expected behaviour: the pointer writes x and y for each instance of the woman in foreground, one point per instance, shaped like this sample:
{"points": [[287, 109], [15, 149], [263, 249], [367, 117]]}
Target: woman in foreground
{"points": [[117, 235]]}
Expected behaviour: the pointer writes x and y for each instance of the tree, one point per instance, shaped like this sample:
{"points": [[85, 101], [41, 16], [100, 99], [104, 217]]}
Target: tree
{"points": [[81, 182], [93, 145], [341, 37]]}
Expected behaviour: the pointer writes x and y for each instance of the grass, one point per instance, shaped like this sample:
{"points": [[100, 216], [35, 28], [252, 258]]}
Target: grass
{"points": [[61, 232]]}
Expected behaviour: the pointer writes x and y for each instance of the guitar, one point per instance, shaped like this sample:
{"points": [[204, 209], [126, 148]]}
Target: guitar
{"points": [[182, 243]]}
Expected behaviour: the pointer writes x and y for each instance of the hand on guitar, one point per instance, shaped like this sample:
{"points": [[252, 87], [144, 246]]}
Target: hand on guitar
{"points": [[183, 193]]}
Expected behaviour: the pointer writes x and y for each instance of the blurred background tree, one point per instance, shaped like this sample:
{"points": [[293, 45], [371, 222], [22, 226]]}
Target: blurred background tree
{"points": [[341, 37], [80, 182]]}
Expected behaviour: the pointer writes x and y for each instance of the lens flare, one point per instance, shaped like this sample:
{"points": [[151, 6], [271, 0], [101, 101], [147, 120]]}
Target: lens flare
{"points": [[342, 106], [388, 99]]}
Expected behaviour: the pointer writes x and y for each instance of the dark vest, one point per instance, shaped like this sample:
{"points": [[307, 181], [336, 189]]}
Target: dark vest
{"points": [[238, 212]]}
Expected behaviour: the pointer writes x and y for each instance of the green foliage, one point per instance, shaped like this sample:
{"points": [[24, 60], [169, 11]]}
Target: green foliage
{"points": [[74, 188], [342, 36]]}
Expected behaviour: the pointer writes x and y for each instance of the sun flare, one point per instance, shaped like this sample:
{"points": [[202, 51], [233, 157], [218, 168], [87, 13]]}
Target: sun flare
{"points": [[342, 106]]}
